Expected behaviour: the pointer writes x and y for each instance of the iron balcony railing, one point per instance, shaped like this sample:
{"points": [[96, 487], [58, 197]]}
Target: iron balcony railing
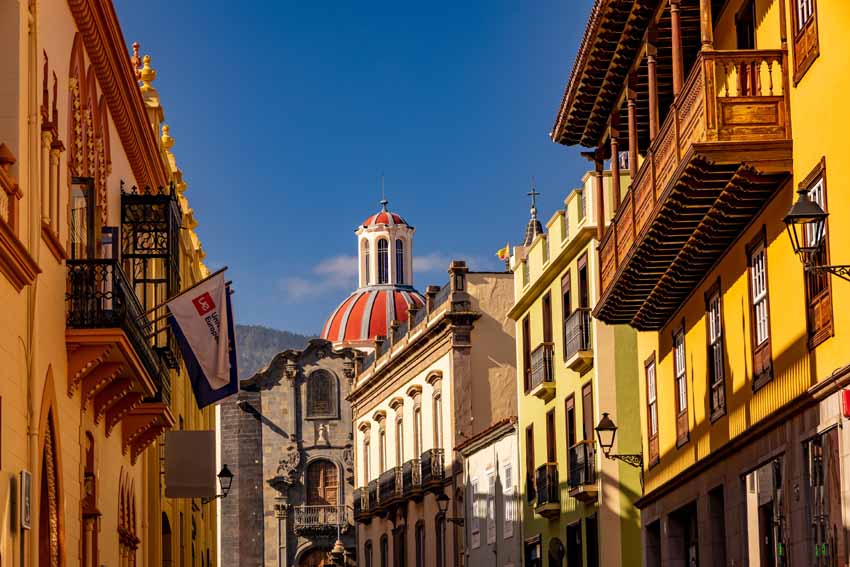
{"points": [[320, 518], [412, 476], [541, 365], [361, 501], [390, 485], [433, 467], [582, 465], [546, 484], [99, 296], [372, 495], [577, 332]]}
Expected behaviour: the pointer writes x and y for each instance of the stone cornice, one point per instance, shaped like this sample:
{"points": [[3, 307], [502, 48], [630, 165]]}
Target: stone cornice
{"points": [[104, 41]]}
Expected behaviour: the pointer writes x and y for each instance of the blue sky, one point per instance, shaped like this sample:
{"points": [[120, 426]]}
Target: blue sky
{"points": [[285, 114]]}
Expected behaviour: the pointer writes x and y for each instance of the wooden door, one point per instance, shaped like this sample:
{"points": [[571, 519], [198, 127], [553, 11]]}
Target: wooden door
{"points": [[322, 484], [587, 412]]}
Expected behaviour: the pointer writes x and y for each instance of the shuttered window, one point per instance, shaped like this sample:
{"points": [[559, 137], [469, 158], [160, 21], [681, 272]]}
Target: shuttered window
{"points": [[680, 373], [818, 286], [759, 310], [652, 410], [715, 354], [806, 43]]}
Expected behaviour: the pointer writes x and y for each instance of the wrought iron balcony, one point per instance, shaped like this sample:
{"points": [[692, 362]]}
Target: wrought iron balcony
{"points": [[390, 485], [548, 492], [372, 496], [582, 481], [724, 149], [320, 519], [433, 468], [99, 296], [578, 347], [542, 376], [412, 478], [361, 503]]}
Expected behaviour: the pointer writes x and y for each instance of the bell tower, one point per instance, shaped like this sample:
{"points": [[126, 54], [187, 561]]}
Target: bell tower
{"points": [[385, 250]]}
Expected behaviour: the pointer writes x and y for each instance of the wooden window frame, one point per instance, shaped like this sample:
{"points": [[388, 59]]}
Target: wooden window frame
{"points": [[570, 425], [761, 355], [680, 382], [587, 417], [712, 381], [819, 307], [530, 490], [805, 43], [332, 384], [566, 308], [551, 437], [652, 438], [526, 353], [546, 312]]}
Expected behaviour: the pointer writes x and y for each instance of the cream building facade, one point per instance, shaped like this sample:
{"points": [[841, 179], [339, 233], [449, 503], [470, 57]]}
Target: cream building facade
{"points": [[88, 380]]}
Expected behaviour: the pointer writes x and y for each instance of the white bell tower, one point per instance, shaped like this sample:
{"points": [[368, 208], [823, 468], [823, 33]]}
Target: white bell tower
{"points": [[385, 250]]}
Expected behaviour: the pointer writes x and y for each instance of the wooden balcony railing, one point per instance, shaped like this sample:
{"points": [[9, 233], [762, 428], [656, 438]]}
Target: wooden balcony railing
{"points": [[541, 365], [320, 518], [731, 102]]}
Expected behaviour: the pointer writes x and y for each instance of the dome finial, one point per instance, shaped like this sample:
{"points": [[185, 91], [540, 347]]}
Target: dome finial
{"points": [[167, 140], [383, 201], [147, 74]]}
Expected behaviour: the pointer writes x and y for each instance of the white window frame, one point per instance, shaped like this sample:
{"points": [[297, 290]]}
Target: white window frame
{"points": [[652, 399], [817, 196], [758, 280], [491, 507], [509, 502], [805, 10], [475, 524], [680, 370]]}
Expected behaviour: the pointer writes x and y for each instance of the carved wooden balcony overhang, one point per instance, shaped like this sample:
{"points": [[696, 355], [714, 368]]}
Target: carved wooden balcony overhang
{"points": [[142, 425]]}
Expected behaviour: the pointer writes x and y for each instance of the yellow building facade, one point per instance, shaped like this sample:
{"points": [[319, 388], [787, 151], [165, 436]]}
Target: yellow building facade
{"points": [[577, 506], [92, 219], [728, 109]]}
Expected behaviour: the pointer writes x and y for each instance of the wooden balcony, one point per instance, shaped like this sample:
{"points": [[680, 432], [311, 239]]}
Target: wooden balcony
{"points": [[110, 358], [548, 491], [582, 481], [542, 375], [578, 346], [724, 149]]}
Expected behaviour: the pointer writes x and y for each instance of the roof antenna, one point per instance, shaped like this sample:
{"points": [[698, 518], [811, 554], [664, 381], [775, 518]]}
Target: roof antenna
{"points": [[384, 201]]}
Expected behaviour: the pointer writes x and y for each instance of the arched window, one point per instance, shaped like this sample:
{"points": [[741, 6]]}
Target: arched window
{"points": [[367, 277], [367, 554], [322, 484], [166, 541], [399, 441], [399, 261], [383, 261], [322, 390], [385, 551]]}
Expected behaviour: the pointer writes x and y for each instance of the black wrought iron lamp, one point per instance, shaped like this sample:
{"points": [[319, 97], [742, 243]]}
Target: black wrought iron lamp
{"points": [[443, 506], [806, 226], [606, 431], [225, 481]]}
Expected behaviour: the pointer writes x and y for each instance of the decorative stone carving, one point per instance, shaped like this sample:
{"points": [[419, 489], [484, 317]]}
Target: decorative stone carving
{"points": [[348, 458], [323, 435], [287, 468]]}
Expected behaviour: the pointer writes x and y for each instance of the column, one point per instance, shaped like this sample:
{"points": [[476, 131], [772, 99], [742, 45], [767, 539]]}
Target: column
{"points": [[54, 189], [706, 24], [653, 91], [46, 142], [678, 66], [633, 131], [615, 169], [599, 197]]}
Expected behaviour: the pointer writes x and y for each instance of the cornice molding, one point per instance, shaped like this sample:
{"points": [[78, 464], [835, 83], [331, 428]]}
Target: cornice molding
{"points": [[104, 42], [15, 262]]}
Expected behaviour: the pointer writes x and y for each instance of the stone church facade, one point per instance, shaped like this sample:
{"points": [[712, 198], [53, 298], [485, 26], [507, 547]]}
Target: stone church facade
{"points": [[287, 437]]}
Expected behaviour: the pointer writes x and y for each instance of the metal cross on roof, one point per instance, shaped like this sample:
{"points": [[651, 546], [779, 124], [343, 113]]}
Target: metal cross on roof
{"points": [[533, 194]]}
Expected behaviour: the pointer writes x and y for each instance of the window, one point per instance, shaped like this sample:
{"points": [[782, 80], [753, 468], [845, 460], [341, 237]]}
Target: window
{"points": [[587, 423], [570, 422], [383, 261], [417, 429], [491, 507], [440, 536], [367, 554], [806, 48], [550, 437], [477, 513], [818, 289], [545, 249], [385, 550], [438, 420], [382, 449], [822, 490], [533, 552], [582, 206], [420, 544], [583, 282], [322, 484], [322, 391], [367, 455], [399, 547], [399, 441], [716, 364], [510, 503], [759, 311], [366, 267], [530, 493], [399, 261], [566, 307], [82, 218], [680, 375], [652, 409], [526, 353], [546, 305]]}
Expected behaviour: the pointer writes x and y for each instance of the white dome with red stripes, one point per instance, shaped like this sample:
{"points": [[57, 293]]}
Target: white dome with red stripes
{"points": [[368, 312]]}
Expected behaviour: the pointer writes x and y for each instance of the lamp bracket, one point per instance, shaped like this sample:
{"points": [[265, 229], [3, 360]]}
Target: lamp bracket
{"points": [[842, 272], [633, 460], [211, 498]]}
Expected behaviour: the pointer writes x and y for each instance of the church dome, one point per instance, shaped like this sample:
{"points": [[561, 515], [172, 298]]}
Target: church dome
{"points": [[385, 218], [368, 312]]}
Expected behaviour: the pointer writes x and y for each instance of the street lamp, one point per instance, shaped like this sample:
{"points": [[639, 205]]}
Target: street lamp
{"points": [[606, 431], [443, 506], [225, 480], [806, 226]]}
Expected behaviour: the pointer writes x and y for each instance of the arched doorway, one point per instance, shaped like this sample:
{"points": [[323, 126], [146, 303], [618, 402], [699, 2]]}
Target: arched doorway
{"points": [[166, 541], [315, 558], [322, 483], [49, 551]]}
